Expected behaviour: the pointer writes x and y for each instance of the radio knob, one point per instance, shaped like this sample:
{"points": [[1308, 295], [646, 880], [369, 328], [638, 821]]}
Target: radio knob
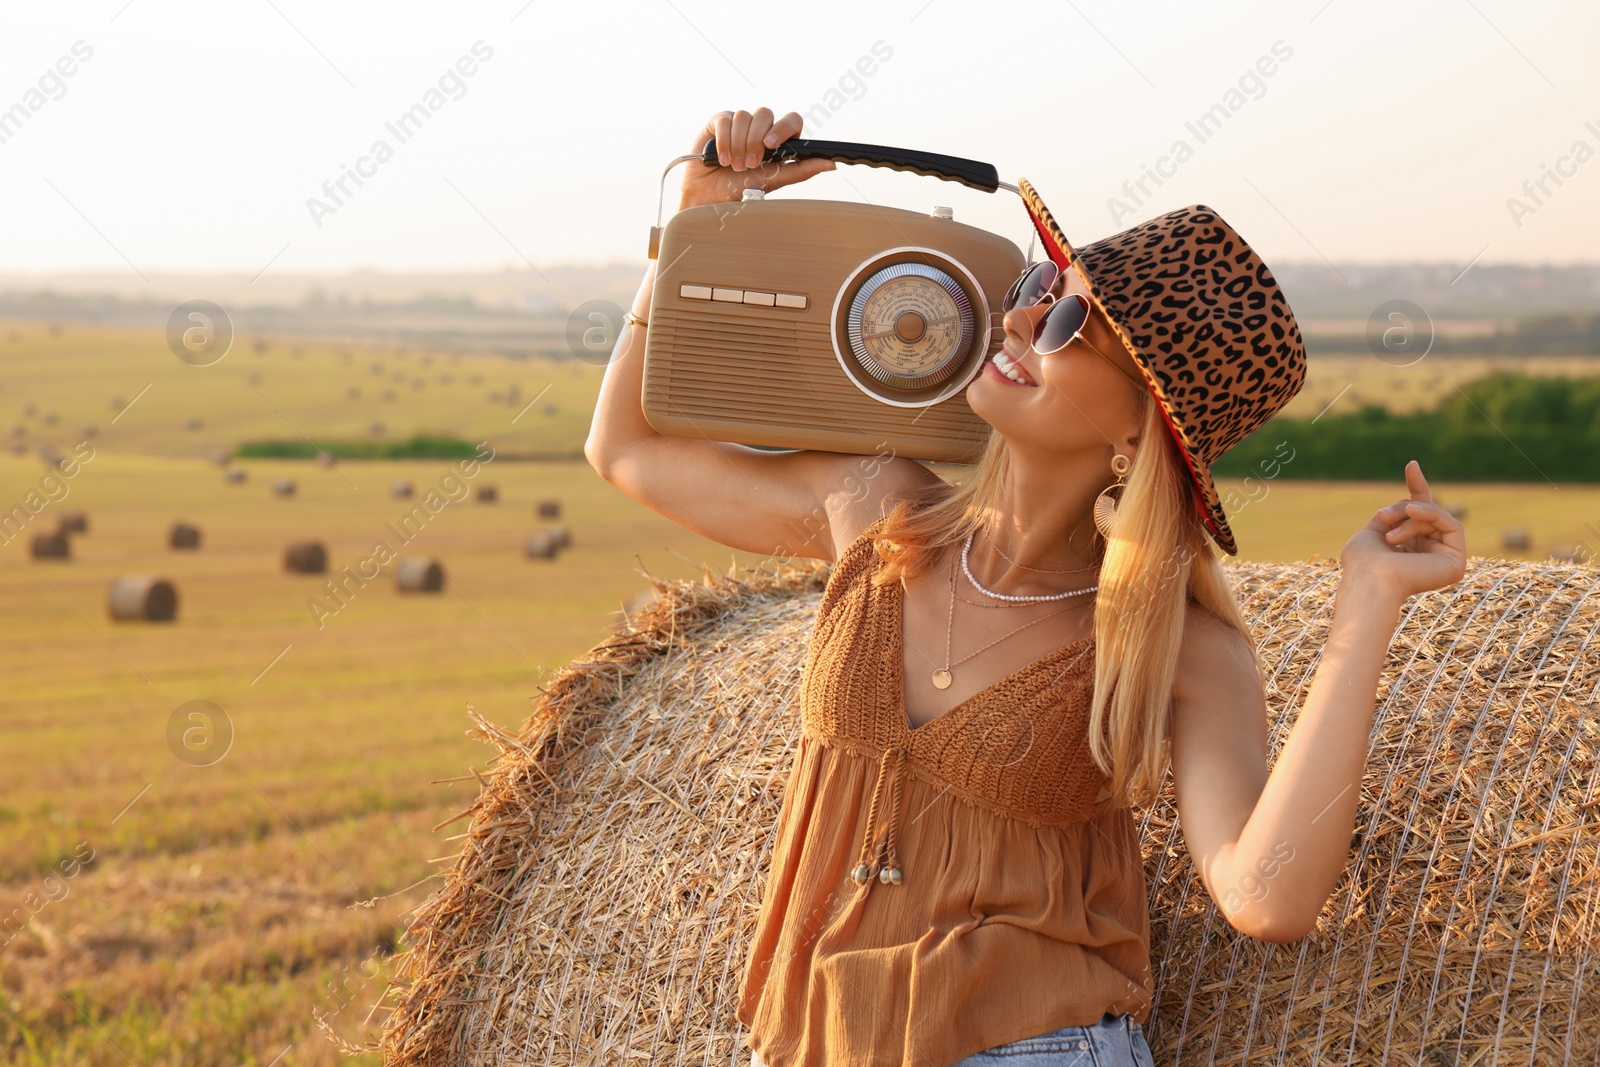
{"points": [[943, 213], [755, 194]]}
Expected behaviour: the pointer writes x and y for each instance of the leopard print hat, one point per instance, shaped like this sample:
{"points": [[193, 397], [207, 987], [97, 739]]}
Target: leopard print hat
{"points": [[1205, 322]]}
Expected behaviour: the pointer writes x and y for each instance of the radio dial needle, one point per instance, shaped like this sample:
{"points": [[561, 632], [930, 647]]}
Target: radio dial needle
{"points": [[893, 329]]}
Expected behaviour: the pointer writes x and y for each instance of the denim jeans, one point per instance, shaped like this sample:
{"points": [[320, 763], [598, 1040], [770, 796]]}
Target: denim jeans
{"points": [[1114, 1041]]}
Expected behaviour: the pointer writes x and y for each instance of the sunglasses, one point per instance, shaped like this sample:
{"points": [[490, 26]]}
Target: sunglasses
{"points": [[1063, 322], [1056, 328]]}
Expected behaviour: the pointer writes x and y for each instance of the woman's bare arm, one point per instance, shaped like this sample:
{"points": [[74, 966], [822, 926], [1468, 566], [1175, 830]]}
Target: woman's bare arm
{"points": [[1272, 848]]}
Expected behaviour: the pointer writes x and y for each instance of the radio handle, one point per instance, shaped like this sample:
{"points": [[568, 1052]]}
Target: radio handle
{"points": [[970, 172]]}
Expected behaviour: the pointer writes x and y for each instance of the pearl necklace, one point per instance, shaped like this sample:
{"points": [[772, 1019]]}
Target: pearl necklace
{"points": [[967, 547]]}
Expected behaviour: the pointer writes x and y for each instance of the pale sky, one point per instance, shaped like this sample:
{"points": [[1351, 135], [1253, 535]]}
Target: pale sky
{"points": [[191, 135]]}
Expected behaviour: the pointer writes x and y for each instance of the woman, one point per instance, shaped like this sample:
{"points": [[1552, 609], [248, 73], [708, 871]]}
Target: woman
{"points": [[1000, 669]]}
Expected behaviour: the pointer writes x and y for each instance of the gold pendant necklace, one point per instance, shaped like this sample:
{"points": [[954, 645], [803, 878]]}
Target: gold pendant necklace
{"points": [[943, 676]]}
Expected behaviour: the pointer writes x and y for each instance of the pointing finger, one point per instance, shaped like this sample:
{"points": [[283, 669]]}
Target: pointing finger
{"points": [[1416, 483]]}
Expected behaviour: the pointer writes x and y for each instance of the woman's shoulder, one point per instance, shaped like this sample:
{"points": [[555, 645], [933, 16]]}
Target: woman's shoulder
{"points": [[1210, 645]]}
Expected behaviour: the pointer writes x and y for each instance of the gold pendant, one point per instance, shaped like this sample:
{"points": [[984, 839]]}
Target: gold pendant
{"points": [[941, 678]]}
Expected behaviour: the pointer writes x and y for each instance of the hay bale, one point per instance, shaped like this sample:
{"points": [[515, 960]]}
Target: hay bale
{"points": [[142, 598], [284, 487], [401, 489], [183, 535], [602, 902], [561, 535], [306, 557], [541, 546], [549, 509], [235, 475], [488, 494], [1515, 539], [51, 546], [74, 522], [418, 574]]}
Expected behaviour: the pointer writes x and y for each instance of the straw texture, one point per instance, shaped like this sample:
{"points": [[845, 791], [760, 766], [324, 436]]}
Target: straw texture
{"points": [[613, 865]]}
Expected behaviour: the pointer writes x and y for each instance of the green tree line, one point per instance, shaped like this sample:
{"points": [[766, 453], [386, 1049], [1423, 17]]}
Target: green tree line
{"points": [[1500, 428]]}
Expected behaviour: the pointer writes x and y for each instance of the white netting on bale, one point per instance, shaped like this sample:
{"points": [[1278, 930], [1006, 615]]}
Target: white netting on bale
{"points": [[612, 868]]}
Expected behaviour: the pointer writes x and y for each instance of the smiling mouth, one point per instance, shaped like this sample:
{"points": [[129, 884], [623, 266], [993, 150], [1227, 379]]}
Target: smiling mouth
{"points": [[1012, 369]]}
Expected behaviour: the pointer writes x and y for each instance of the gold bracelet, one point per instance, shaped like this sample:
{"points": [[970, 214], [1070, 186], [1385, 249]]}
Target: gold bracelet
{"points": [[635, 320]]}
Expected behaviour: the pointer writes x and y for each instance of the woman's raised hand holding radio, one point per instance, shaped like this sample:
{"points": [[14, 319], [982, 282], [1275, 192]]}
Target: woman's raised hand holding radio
{"points": [[782, 503], [743, 138]]}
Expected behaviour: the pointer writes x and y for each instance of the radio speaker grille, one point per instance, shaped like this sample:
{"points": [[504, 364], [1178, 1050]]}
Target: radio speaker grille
{"points": [[770, 393]]}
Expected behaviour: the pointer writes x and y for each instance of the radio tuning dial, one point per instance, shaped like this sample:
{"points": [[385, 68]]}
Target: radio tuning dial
{"points": [[909, 326]]}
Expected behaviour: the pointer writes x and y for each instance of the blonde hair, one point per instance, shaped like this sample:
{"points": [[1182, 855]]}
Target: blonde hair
{"points": [[1155, 562]]}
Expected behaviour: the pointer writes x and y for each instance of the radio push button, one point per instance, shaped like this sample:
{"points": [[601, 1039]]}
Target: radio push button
{"points": [[791, 300], [732, 296], [763, 299], [695, 292]]}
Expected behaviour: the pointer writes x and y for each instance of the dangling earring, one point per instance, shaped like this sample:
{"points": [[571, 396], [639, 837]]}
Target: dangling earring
{"points": [[1105, 509]]}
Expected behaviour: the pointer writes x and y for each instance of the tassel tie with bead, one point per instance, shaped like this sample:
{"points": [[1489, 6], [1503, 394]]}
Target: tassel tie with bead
{"points": [[881, 860]]}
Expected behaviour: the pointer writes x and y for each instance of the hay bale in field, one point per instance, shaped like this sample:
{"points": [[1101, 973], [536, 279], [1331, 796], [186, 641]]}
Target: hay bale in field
{"points": [[561, 535], [142, 598], [284, 487], [74, 522], [51, 546], [549, 509], [418, 574], [306, 557], [183, 535], [401, 489], [601, 907], [1515, 539], [235, 475], [488, 494], [541, 545]]}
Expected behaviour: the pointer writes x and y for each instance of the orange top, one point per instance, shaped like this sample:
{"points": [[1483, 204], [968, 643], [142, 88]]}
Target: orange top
{"points": [[1021, 904]]}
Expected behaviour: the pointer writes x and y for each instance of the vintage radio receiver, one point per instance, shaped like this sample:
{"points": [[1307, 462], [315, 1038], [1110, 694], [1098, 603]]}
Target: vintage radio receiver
{"points": [[827, 325]]}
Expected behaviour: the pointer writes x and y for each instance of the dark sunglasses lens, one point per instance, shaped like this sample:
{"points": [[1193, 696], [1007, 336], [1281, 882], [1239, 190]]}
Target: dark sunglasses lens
{"points": [[1034, 283], [1060, 324]]}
